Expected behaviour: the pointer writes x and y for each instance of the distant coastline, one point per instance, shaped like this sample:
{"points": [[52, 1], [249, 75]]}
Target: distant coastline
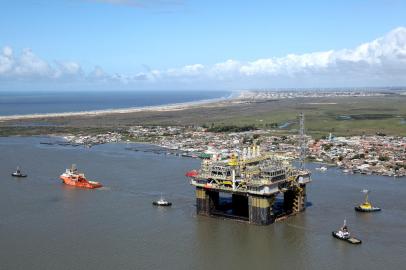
{"points": [[158, 108], [234, 97], [341, 113], [46, 102]]}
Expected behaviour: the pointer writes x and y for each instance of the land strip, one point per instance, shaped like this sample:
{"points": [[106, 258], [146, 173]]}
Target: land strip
{"points": [[340, 115]]}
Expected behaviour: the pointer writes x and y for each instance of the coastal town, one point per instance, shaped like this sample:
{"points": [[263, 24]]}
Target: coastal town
{"points": [[309, 93], [377, 154]]}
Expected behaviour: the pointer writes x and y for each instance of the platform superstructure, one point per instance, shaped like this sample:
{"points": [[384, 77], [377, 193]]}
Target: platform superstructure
{"points": [[253, 179]]}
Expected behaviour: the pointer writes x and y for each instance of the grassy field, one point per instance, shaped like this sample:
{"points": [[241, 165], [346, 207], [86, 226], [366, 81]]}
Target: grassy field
{"points": [[340, 116]]}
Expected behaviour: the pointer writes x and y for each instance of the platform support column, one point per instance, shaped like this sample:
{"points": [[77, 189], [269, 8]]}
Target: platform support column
{"points": [[205, 201], [299, 200], [288, 199], [240, 205], [260, 209]]}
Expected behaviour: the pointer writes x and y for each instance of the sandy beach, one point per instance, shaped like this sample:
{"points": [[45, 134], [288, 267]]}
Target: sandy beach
{"points": [[158, 108], [236, 97], [320, 111]]}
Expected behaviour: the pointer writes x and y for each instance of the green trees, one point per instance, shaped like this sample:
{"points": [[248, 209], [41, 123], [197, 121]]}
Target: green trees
{"points": [[383, 158], [231, 128]]}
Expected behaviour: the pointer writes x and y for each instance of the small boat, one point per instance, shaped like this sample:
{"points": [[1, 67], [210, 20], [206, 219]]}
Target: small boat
{"points": [[322, 169], [74, 178], [161, 202], [344, 234], [18, 173], [366, 206]]}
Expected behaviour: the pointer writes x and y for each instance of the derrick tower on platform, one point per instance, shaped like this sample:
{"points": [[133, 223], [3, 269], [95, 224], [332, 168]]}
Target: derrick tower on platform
{"points": [[302, 141]]}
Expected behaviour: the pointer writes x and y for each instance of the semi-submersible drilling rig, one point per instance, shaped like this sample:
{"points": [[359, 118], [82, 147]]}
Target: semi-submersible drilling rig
{"points": [[254, 180]]}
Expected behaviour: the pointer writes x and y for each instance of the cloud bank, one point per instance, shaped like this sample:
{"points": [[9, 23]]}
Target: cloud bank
{"points": [[376, 63]]}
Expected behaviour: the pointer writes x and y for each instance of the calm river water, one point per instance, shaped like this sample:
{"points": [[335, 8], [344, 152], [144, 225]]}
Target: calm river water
{"points": [[47, 225]]}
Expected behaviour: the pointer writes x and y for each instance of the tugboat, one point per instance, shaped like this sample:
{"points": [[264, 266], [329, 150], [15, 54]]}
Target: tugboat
{"points": [[344, 234], [366, 206], [74, 178], [18, 173], [161, 202]]}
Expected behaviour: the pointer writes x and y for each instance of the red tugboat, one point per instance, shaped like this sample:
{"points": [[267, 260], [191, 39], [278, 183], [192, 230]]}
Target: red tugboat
{"points": [[74, 178]]}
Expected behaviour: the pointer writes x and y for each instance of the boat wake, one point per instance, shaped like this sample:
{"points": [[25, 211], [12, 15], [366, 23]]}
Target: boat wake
{"points": [[303, 228]]}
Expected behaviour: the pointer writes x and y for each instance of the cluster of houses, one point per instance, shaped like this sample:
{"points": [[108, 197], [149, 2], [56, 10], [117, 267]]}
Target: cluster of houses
{"points": [[89, 140], [265, 94], [191, 141], [383, 155], [198, 142]]}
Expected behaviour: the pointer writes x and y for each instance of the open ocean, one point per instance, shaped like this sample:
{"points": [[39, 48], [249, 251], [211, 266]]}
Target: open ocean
{"points": [[13, 103]]}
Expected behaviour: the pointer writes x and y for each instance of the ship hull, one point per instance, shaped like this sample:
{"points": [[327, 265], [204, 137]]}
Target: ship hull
{"points": [[351, 240], [373, 209], [18, 175], [81, 184], [162, 204]]}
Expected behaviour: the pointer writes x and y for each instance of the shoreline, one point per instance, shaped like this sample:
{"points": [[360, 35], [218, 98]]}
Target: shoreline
{"points": [[234, 95], [64, 140]]}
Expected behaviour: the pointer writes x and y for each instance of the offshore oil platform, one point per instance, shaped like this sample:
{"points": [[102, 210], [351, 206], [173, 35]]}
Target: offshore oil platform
{"points": [[247, 185]]}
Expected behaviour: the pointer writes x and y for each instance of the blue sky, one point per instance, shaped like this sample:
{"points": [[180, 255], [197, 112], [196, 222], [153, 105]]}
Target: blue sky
{"points": [[139, 44]]}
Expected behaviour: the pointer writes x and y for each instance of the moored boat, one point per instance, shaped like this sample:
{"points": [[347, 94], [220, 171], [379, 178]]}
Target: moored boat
{"points": [[322, 169], [366, 206], [74, 178], [18, 173], [344, 234]]}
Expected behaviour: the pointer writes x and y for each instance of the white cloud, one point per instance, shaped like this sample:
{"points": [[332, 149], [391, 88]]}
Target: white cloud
{"points": [[379, 62], [230, 66], [6, 60], [28, 66], [98, 73], [186, 71], [68, 69], [382, 61], [7, 51]]}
